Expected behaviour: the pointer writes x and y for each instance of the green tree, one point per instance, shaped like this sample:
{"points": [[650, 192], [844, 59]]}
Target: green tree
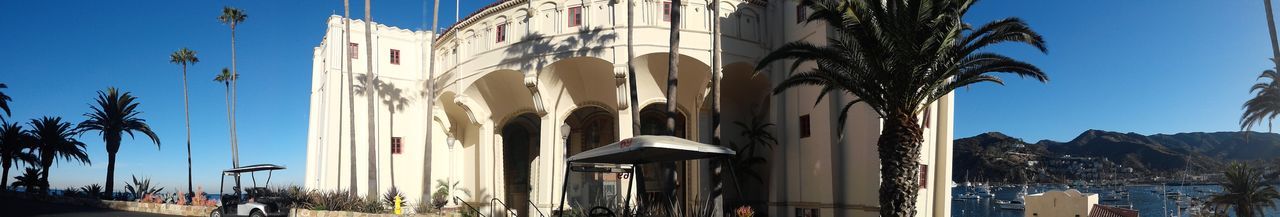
{"points": [[13, 143], [54, 139], [29, 180], [186, 57], [1245, 191], [233, 17], [897, 57], [114, 115], [1265, 104]]}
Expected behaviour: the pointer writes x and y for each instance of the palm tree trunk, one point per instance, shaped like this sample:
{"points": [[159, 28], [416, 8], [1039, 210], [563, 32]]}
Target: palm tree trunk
{"points": [[235, 80], [673, 75], [717, 190], [351, 112], [111, 173], [4, 180], [431, 98], [1271, 24], [186, 107], [635, 97], [899, 149], [368, 78]]}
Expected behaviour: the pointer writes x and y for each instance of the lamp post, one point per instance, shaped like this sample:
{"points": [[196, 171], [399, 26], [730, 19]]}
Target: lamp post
{"points": [[564, 187]]}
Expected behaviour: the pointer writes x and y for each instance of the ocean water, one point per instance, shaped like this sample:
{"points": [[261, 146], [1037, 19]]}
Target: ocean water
{"points": [[1149, 200]]}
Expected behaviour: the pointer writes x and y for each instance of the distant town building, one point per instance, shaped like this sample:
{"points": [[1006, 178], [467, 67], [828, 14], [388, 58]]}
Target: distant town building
{"points": [[1069, 203]]}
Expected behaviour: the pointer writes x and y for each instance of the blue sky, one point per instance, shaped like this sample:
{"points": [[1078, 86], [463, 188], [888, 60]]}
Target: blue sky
{"points": [[1143, 66]]}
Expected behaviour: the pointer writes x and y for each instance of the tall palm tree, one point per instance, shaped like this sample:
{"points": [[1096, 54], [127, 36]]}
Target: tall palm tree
{"points": [[13, 142], [1245, 191], [226, 78], [187, 57], [351, 99], [114, 115], [897, 56], [54, 139], [4, 101], [673, 75], [233, 17], [368, 79], [1265, 104]]}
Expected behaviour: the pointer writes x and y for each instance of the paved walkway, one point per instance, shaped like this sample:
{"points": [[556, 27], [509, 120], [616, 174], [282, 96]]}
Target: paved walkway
{"points": [[15, 207]]}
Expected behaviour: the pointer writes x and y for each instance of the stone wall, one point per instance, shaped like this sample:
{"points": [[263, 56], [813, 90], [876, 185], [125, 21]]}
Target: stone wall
{"points": [[184, 210]]}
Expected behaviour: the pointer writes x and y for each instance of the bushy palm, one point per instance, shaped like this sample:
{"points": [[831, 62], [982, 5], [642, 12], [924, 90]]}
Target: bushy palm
{"points": [[1265, 104], [898, 56], [115, 114], [29, 180], [93, 190], [13, 145], [1245, 191], [54, 139], [443, 187]]}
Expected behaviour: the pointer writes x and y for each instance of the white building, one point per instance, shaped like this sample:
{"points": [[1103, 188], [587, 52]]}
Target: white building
{"points": [[511, 75], [1069, 203]]}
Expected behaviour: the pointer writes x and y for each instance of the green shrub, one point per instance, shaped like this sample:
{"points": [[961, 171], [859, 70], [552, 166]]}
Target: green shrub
{"points": [[389, 199], [93, 190]]}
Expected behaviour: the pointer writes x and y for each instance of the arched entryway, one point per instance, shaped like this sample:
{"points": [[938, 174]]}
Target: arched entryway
{"points": [[520, 137], [669, 179], [591, 127]]}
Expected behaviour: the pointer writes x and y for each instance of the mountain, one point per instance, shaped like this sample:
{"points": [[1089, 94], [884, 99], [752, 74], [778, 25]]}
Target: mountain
{"points": [[992, 154]]}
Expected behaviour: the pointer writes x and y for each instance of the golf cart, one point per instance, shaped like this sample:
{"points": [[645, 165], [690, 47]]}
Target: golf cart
{"points": [[254, 201], [628, 157]]}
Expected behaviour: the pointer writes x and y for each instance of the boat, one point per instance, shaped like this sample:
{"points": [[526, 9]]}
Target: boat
{"points": [[968, 196], [1016, 204], [983, 190]]}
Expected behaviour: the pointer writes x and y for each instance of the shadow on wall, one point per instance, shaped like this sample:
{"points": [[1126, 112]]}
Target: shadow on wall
{"points": [[587, 42]]}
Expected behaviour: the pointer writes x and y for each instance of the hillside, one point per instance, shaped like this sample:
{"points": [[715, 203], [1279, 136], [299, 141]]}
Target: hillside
{"points": [[994, 155]]}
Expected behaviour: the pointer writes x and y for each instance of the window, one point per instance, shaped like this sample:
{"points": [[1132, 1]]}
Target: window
{"points": [[396, 146], [575, 16], [801, 13], [353, 50], [395, 57], [502, 32], [805, 131], [666, 11], [924, 176]]}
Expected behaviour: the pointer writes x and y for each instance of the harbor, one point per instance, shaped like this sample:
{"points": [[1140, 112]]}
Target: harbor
{"points": [[975, 200]]}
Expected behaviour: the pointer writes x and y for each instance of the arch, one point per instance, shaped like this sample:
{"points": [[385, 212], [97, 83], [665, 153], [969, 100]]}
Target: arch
{"points": [[500, 93], [576, 82], [651, 79], [590, 127], [520, 145]]}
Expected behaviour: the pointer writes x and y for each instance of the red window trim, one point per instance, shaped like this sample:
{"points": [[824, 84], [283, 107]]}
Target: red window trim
{"points": [[575, 16], [501, 32], [666, 11], [353, 50], [397, 145], [395, 57], [924, 176]]}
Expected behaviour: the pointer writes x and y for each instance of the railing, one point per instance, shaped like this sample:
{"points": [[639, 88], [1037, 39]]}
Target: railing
{"points": [[473, 209], [504, 207], [535, 208]]}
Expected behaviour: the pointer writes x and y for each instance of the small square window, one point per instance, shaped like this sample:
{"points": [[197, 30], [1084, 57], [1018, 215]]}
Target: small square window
{"points": [[805, 131], [395, 57], [666, 11], [396, 146], [502, 32], [801, 13], [575, 16], [353, 50]]}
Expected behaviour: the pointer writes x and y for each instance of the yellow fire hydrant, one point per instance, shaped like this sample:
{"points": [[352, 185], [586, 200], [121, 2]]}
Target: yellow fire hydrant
{"points": [[398, 204]]}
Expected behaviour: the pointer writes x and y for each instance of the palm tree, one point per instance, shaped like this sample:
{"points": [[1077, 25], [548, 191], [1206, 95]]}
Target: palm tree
{"points": [[368, 79], [1245, 191], [114, 115], [187, 57], [226, 77], [13, 142], [233, 17], [351, 99], [4, 101], [54, 138], [1265, 104], [898, 56], [30, 179]]}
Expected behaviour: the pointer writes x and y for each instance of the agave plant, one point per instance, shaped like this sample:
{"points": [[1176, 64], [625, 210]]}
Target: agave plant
{"points": [[389, 198], [141, 187], [93, 190]]}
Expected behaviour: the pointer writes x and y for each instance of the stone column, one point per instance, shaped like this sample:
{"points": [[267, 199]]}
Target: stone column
{"points": [[486, 161]]}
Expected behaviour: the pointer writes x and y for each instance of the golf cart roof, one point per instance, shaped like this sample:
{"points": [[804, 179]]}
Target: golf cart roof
{"points": [[649, 149], [253, 168]]}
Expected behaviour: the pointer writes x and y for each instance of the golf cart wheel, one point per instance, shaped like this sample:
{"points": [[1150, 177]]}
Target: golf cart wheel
{"points": [[600, 211], [257, 213], [215, 213]]}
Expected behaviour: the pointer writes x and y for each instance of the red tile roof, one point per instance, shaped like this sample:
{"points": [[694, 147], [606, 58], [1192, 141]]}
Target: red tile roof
{"points": [[1100, 210]]}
